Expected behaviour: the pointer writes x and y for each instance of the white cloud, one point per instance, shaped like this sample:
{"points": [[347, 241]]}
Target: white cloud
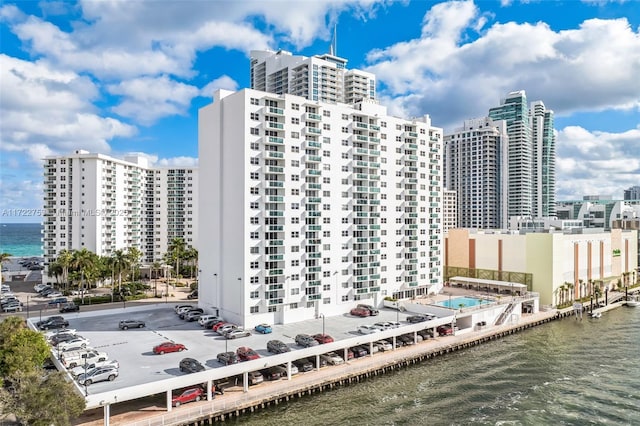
{"points": [[596, 163], [224, 82], [591, 68], [147, 99]]}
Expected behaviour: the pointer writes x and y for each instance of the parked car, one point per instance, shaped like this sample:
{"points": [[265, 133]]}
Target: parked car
{"points": [[417, 318], [55, 339], [406, 340], [274, 373], [305, 340], [227, 358], [358, 351], [167, 347], [218, 325], [323, 338], [372, 310], [98, 374], [332, 358], [184, 314], [263, 328], [76, 371], [69, 307], [320, 360], [237, 333], [12, 307], [368, 329], [193, 315], [294, 370], [58, 301], [387, 325], [131, 323], [246, 354], [206, 318], [52, 322], [383, 345], [74, 358], [303, 364], [445, 330], [226, 328], [255, 377], [277, 347], [176, 308], [426, 333], [56, 295], [39, 287], [190, 365], [210, 323], [193, 295], [184, 309], [359, 312], [76, 341], [189, 395], [350, 354]]}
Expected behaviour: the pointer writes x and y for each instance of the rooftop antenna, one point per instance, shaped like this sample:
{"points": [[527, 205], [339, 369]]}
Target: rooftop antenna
{"points": [[333, 48]]}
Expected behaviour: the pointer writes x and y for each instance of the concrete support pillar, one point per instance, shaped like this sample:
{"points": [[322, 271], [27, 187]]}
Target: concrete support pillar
{"points": [[415, 337], [393, 342], [107, 414], [288, 370], [169, 398], [370, 348], [318, 362], [209, 387], [245, 382]]}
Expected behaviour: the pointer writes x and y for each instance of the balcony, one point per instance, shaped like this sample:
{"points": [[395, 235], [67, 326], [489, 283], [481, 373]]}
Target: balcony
{"points": [[274, 140], [312, 144], [309, 116], [312, 159], [274, 111], [275, 125], [312, 130], [274, 154]]}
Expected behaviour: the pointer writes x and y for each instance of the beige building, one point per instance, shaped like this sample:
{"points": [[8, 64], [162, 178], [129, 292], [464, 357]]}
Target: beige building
{"points": [[559, 266]]}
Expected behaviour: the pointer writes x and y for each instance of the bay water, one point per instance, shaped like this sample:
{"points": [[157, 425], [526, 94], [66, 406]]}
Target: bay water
{"points": [[567, 372]]}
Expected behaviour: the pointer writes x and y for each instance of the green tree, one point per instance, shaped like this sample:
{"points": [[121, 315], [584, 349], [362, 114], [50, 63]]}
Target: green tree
{"points": [[4, 257], [40, 399], [177, 250], [155, 267], [83, 262], [55, 270], [65, 260], [134, 255], [191, 256], [119, 263], [21, 349]]}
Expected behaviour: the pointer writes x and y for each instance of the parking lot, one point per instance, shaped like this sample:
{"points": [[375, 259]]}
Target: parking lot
{"points": [[133, 348]]}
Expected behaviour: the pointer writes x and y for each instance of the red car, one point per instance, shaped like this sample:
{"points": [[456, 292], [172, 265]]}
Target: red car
{"points": [[246, 354], [360, 312], [189, 395], [217, 325], [445, 330], [167, 347], [323, 338]]}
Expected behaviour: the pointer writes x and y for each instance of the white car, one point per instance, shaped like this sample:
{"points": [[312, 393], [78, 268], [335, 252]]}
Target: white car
{"points": [[383, 345], [332, 358], [39, 287], [387, 325], [368, 329], [80, 369], [77, 341], [54, 294], [206, 318]]}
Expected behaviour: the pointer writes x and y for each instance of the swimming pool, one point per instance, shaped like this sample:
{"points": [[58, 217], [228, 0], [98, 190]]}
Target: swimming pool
{"points": [[466, 302]]}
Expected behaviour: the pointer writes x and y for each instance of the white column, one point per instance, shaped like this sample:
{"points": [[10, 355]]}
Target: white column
{"points": [[245, 382], [106, 410], [169, 398]]}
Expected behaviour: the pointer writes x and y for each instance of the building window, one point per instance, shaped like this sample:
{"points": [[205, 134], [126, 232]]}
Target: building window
{"points": [[255, 161], [254, 235], [254, 191], [254, 265], [295, 120], [254, 205], [254, 175], [295, 107], [295, 262], [254, 294], [295, 135], [254, 101], [255, 131], [255, 116], [295, 163]]}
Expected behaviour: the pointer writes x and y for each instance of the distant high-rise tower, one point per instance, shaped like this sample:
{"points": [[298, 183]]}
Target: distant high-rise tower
{"points": [[530, 168], [632, 193], [544, 161], [474, 160], [318, 78], [515, 112]]}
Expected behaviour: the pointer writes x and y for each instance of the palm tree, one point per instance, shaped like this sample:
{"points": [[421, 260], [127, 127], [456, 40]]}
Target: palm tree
{"points": [[119, 263], [55, 270], [177, 249], [570, 287], [83, 261], [580, 288], [191, 255], [65, 259], [133, 255], [4, 257]]}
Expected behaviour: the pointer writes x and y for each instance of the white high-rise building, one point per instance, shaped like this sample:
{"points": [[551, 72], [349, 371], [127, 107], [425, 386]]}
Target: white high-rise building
{"points": [[103, 204], [320, 78], [313, 207], [475, 163]]}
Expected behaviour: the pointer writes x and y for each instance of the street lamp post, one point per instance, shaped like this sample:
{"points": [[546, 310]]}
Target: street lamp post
{"points": [[215, 293], [322, 315], [27, 306], [86, 392]]}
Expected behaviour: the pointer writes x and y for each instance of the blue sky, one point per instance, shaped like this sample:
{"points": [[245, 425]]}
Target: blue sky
{"points": [[129, 76]]}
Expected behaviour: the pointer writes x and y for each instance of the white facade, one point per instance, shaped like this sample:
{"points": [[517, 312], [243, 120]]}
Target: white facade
{"points": [[313, 207], [449, 210], [103, 204], [476, 167], [321, 78], [597, 213]]}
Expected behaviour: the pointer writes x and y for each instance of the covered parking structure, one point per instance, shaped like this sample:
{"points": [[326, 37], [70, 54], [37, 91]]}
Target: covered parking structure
{"points": [[489, 285]]}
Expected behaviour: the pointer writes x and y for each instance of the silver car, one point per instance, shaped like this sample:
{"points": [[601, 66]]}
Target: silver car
{"points": [[98, 374], [76, 371]]}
